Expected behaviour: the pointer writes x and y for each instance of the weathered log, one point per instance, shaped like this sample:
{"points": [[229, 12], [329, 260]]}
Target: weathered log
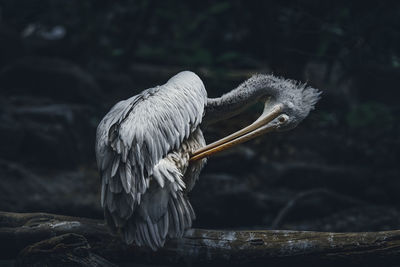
{"points": [[63, 250], [199, 246]]}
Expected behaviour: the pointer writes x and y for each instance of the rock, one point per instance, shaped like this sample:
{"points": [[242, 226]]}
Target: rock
{"points": [[63, 250], [58, 79]]}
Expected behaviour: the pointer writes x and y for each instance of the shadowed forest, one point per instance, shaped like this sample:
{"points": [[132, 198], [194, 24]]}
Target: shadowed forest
{"points": [[64, 64]]}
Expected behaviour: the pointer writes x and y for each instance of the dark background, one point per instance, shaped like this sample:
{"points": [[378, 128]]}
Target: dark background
{"points": [[63, 64]]}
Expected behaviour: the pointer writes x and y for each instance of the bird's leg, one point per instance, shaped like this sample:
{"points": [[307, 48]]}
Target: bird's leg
{"points": [[261, 126]]}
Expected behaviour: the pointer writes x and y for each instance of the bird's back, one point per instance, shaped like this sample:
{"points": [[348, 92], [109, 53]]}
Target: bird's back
{"points": [[142, 150]]}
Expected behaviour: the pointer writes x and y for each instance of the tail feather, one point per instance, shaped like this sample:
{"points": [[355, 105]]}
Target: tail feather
{"points": [[176, 220], [163, 209]]}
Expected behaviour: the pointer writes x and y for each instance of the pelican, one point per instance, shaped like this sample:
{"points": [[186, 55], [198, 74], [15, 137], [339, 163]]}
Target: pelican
{"points": [[150, 148]]}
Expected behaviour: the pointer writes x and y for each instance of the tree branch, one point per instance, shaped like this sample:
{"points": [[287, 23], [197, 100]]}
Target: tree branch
{"points": [[198, 246]]}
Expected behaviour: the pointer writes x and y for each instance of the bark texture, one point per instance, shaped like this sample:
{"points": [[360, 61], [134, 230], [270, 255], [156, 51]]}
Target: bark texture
{"points": [[199, 246]]}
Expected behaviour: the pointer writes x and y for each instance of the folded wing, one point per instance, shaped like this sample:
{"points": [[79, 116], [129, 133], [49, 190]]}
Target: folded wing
{"points": [[134, 137]]}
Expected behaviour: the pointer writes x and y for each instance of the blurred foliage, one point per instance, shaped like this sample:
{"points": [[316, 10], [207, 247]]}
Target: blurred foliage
{"points": [[283, 36], [370, 116], [327, 119], [233, 33]]}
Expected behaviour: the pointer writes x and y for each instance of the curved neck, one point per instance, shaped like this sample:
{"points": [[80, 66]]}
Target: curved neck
{"points": [[239, 99]]}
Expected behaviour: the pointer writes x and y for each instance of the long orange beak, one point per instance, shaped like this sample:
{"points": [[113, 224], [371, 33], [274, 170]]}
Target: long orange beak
{"points": [[257, 128]]}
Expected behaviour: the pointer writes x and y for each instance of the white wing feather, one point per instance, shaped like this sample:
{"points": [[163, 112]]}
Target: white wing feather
{"points": [[132, 141]]}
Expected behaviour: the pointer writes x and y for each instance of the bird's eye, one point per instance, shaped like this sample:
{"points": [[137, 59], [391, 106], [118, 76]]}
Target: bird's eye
{"points": [[283, 118]]}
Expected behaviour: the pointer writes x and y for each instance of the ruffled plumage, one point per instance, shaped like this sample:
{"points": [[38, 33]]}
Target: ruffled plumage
{"points": [[142, 150]]}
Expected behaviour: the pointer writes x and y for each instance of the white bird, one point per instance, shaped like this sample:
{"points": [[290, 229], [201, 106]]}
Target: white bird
{"points": [[150, 148]]}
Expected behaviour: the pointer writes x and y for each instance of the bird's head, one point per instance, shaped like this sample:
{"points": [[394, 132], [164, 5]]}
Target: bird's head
{"points": [[290, 104], [287, 103]]}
